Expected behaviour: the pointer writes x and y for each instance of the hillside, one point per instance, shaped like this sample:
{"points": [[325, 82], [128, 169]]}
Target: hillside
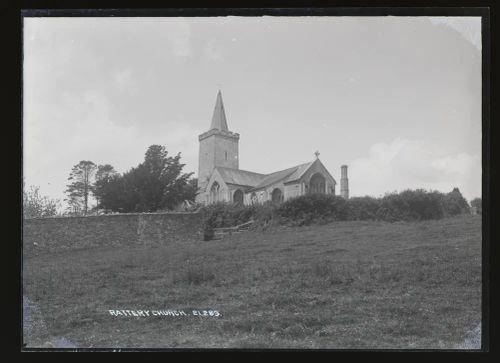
{"points": [[340, 285]]}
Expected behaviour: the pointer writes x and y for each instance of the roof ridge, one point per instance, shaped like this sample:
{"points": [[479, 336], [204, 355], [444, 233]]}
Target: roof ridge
{"points": [[292, 167], [291, 170], [309, 163], [285, 173], [241, 170]]}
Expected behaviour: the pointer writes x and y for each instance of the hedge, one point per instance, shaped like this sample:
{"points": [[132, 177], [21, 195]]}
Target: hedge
{"points": [[408, 205]]}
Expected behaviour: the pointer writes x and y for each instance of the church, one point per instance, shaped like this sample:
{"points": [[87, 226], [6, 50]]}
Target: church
{"points": [[221, 180]]}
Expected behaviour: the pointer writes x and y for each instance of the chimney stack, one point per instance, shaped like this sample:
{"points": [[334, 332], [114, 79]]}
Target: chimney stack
{"points": [[344, 182]]}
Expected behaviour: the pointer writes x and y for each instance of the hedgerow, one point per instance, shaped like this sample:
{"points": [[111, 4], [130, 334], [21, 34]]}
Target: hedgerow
{"points": [[408, 205], [313, 208]]}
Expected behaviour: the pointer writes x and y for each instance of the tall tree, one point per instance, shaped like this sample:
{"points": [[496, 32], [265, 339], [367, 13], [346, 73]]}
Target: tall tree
{"points": [[155, 184], [81, 185], [158, 182], [103, 177]]}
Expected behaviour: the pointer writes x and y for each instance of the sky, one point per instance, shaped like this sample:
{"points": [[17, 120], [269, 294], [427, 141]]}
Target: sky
{"points": [[397, 99]]}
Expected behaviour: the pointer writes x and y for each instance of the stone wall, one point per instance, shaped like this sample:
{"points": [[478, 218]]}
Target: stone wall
{"points": [[69, 233]]}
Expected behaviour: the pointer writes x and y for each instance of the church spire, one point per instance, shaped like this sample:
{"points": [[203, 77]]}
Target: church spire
{"points": [[219, 117]]}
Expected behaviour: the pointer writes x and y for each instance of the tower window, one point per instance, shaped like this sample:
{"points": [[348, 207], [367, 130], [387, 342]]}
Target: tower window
{"points": [[226, 154]]}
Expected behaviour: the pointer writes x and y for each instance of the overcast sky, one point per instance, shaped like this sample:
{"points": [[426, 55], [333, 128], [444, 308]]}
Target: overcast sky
{"points": [[397, 99]]}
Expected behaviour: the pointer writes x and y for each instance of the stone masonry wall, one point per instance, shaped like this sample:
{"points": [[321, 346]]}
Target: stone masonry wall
{"points": [[69, 233]]}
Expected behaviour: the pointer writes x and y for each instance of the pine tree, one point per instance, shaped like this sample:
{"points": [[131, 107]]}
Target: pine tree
{"points": [[81, 186]]}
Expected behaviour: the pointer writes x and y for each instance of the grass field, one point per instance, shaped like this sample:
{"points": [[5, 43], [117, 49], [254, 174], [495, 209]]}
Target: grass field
{"points": [[341, 285]]}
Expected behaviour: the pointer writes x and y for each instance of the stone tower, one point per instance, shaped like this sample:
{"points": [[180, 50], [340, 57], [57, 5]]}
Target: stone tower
{"points": [[218, 146], [344, 182]]}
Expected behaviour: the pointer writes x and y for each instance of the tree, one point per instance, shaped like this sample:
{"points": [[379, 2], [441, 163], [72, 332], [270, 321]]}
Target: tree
{"points": [[191, 189], [81, 186], [477, 203], [104, 175], [454, 203], [155, 184], [36, 205], [158, 182], [104, 172]]}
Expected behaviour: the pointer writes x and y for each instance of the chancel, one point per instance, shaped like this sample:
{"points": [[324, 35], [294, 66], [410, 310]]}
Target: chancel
{"points": [[221, 180]]}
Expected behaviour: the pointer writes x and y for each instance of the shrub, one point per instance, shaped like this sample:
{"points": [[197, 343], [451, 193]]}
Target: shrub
{"points": [[362, 208], [478, 204], [312, 208], [37, 206], [411, 205], [265, 214], [226, 214], [223, 214]]}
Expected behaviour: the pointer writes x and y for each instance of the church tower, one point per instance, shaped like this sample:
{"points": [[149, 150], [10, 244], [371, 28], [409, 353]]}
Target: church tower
{"points": [[218, 146]]}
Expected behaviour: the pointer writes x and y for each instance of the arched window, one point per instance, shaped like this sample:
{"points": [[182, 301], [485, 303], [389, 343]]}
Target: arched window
{"points": [[277, 196], [253, 198], [317, 184], [214, 192], [238, 197]]}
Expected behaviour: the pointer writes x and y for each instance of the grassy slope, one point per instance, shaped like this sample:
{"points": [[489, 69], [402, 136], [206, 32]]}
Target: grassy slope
{"points": [[342, 285]]}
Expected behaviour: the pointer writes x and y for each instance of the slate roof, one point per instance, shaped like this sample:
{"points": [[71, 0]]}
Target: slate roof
{"points": [[299, 171], [240, 177], [219, 121], [258, 181], [285, 176]]}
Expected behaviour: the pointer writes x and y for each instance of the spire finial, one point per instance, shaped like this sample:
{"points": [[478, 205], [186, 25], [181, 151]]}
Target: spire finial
{"points": [[317, 154]]}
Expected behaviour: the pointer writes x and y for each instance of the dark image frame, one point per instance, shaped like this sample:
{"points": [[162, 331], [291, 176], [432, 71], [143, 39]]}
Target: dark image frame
{"points": [[57, 10]]}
